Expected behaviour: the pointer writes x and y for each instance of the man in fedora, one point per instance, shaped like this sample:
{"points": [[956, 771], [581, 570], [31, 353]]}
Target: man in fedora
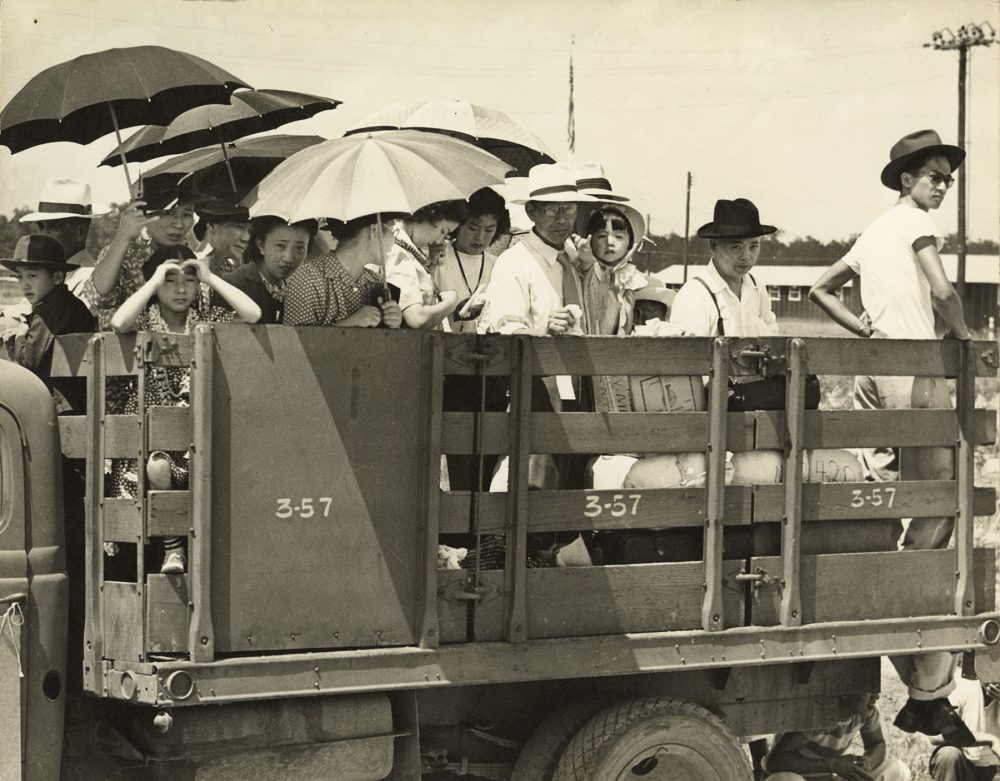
{"points": [[903, 284], [224, 227], [40, 265], [526, 292], [724, 298], [65, 212]]}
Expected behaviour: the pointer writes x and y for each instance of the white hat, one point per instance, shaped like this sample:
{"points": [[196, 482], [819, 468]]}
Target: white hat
{"points": [[552, 182], [62, 198], [590, 179]]}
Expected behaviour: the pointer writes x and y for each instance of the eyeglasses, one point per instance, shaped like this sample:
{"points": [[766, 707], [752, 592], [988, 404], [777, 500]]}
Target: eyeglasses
{"points": [[564, 209], [938, 179]]}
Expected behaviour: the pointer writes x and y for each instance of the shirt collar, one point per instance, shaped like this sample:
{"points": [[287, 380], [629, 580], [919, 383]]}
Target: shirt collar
{"points": [[714, 279], [540, 248]]}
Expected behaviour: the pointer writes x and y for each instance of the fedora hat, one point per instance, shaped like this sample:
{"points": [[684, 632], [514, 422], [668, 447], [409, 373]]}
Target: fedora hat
{"points": [[218, 210], [64, 198], [38, 251], [590, 179], [552, 183], [923, 143], [736, 219]]}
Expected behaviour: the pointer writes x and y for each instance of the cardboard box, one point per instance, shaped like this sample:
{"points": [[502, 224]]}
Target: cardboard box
{"points": [[650, 393]]}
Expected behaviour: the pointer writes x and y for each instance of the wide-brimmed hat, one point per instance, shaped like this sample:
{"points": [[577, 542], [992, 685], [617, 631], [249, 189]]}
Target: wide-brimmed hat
{"points": [[553, 183], [218, 210], [633, 216], [38, 251], [653, 292], [923, 143], [590, 179], [736, 219], [64, 198]]}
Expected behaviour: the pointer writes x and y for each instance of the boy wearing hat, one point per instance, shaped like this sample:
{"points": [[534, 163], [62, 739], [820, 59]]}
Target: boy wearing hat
{"points": [[903, 283], [40, 266], [224, 227], [725, 298]]}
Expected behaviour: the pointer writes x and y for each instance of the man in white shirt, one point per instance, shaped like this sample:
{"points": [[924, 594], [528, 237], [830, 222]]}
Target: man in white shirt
{"points": [[902, 284], [526, 292], [979, 708]]}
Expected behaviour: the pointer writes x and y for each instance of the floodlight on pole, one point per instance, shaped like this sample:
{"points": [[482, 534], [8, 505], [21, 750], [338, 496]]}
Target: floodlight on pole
{"points": [[968, 35]]}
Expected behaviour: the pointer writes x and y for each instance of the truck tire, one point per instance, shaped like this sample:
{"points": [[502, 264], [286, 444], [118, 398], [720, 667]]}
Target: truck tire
{"points": [[654, 738], [541, 751]]}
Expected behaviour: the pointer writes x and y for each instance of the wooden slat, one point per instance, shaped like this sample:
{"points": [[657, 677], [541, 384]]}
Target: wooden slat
{"points": [[429, 490], [515, 561], [872, 428], [854, 586], [654, 508], [69, 356], [904, 499], [576, 601], [169, 513], [122, 520], [578, 355], [713, 616], [937, 358], [458, 349], [167, 613], [122, 621], [592, 432], [169, 428], [965, 403], [842, 536]]}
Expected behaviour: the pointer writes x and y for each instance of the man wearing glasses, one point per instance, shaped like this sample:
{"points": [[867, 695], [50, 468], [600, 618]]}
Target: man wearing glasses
{"points": [[903, 283], [526, 292]]}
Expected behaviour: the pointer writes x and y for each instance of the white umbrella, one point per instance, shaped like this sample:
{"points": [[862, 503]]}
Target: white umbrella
{"points": [[395, 171]]}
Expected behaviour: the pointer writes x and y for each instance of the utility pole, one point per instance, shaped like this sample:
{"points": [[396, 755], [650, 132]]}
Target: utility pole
{"points": [[967, 36], [687, 225]]}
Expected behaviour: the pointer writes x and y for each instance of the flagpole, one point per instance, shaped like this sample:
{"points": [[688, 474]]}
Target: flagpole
{"points": [[571, 124]]}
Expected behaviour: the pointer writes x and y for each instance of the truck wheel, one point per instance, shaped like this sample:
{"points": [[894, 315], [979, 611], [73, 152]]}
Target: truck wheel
{"points": [[541, 751], [654, 738]]}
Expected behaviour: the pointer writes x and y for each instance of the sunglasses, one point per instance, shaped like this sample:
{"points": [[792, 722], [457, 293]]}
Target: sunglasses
{"points": [[937, 179]]}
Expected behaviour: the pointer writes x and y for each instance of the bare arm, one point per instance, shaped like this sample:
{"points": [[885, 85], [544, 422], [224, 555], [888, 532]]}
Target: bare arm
{"points": [[943, 294], [130, 225], [874, 747], [245, 307], [824, 295], [126, 317], [429, 315], [785, 756]]}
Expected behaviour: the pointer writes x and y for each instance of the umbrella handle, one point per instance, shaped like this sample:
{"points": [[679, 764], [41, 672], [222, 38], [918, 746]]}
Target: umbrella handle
{"points": [[121, 152], [386, 295], [225, 158]]}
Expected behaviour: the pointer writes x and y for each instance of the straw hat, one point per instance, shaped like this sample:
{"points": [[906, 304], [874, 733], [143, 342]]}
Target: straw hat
{"points": [[590, 179], [552, 183], [64, 198]]}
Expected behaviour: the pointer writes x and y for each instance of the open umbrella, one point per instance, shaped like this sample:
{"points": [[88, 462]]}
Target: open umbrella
{"points": [[241, 163], [248, 112], [485, 127], [91, 95], [396, 171]]}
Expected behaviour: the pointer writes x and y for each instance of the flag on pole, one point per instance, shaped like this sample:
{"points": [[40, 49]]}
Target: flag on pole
{"points": [[571, 126]]}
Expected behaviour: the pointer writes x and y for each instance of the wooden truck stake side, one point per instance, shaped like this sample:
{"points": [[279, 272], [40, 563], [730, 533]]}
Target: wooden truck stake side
{"points": [[314, 637]]}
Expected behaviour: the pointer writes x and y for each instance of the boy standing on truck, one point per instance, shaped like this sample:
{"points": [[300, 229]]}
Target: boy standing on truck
{"points": [[902, 284], [796, 756], [40, 265]]}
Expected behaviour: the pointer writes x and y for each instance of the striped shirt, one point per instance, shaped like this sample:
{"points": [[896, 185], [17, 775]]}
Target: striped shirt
{"points": [[834, 742]]}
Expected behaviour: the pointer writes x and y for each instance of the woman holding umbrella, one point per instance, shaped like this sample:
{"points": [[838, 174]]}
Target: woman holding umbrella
{"points": [[337, 288]]}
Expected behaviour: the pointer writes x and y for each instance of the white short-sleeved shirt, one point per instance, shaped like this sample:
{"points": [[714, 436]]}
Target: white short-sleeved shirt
{"points": [[748, 315], [979, 717], [894, 290], [525, 288], [406, 271]]}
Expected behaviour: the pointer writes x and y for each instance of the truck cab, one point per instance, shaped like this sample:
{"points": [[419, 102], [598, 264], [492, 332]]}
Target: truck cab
{"points": [[314, 634]]}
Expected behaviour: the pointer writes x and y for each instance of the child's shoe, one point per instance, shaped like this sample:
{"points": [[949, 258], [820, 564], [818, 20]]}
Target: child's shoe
{"points": [[174, 563]]}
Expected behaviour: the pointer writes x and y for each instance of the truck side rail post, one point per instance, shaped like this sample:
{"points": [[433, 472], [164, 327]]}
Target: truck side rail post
{"points": [[965, 403], [430, 485], [712, 617], [93, 646], [791, 520], [201, 637], [516, 528]]}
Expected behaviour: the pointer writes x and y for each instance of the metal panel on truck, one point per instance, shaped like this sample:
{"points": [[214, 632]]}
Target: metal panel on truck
{"points": [[311, 548]]}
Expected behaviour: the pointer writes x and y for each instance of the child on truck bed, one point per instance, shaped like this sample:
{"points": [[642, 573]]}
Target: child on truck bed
{"points": [[166, 304]]}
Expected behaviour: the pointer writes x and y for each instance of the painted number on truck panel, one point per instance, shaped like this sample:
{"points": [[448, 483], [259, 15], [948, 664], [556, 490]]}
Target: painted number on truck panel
{"points": [[304, 508], [620, 505], [874, 497]]}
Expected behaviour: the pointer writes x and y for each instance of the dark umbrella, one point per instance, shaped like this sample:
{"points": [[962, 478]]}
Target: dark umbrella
{"points": [[249, 160], [248, 112], [91, 95], [481, 126]]}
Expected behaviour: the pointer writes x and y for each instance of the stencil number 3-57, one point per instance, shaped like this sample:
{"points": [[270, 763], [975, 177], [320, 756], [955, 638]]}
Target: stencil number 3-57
{"points": [[874, 497], [304, 508]]}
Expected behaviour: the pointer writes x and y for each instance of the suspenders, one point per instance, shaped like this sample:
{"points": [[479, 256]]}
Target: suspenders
{"points": [[720, 327]]}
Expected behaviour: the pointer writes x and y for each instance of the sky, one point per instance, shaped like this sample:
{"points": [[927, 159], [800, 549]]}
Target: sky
{"points": [[791, 103]]}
